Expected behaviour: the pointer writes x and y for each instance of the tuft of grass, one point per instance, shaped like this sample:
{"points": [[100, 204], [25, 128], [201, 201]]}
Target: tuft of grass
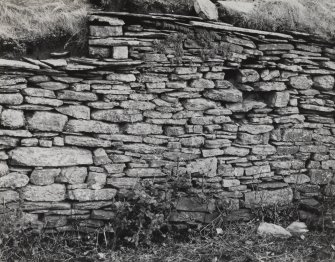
{"points": [[31, 21], [314, 17]]}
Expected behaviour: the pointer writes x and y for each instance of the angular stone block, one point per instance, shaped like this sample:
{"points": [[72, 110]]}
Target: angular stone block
{"points": [[46, 121], [120, 52], [99, 52], [50, 157], [50, 193], [105, 31], [278, 99], [265, 198], [92, 195]]}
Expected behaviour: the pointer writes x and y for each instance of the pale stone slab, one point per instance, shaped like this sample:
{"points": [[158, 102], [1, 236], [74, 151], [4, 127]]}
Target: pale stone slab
{"points": [[50, 157]]}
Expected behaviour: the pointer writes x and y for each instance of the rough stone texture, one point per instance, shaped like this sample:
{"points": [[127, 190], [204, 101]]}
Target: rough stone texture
{"points": [[301, 82], [268, 198], [50, 157], [44, 177], [12, 118], [76, 111], [72, 175], [279, 99], [324, 82], [206, 9], [225, 95], [268, 229], [3, 168], [51, 193], [117, 116], [241, 121], [14, 180], [45, 121], [92, 195], [91, 126]]}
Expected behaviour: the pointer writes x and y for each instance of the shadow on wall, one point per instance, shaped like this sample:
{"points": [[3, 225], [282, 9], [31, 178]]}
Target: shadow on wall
{"points": [[183, 7]]}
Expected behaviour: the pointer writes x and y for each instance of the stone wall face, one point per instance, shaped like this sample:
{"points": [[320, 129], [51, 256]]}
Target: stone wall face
{"points": [[245, 117]]}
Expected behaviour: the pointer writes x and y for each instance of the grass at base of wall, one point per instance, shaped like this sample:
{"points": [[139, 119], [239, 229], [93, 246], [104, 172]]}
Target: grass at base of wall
{"points": [[236, 242]]}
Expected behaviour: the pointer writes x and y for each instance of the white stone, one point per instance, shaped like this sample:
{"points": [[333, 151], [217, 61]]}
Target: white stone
{"points": [[206, 9], [268, 229]]}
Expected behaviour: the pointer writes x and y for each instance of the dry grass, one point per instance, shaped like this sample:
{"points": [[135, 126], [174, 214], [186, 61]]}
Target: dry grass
{"points": [[312, 16], [35, 20], [237, 243]]}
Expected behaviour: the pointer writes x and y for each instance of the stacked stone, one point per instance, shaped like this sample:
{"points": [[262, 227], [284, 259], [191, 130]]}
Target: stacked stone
{"points": [[251, 126]]}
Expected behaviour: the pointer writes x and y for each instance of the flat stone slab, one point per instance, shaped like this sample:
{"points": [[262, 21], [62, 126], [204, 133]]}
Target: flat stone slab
{"points": [[50, 157], [17, 64]]}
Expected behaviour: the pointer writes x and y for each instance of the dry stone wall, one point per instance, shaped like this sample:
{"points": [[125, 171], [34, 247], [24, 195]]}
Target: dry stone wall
{"points": [[239, 118]]}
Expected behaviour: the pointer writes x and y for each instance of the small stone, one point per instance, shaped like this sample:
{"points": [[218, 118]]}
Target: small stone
{"points": [[264, 198], [58, 141], [50, 193], [324, 82], [45, 121], [76, 111], [29, 142], [247, 75], [202, 84], [102, 215], [224, 95], [96, 180], [105, 31], [50, 157], [45, 143], [121, 77], [256, 129], [215, 76], [269, 86], [85, 141], [230, 182], [143, 129], [92, 195], [278, 99], [11, 99], [77, 96], [53, 86], [199, 104], [120, 52], [265, 47], [91, 126], [12, 118], [118, 116], [145, 172], [43, 101], [9, 196], [206, 167], [100, 157], [38, 92], [301, 82], [268, 229], [320, 176], [206, 9], [115, 168], [72, 175], [137, 105], [14, 180], [297, 179], [297, 228], [43, 177], [123, 182], [264, 150]]}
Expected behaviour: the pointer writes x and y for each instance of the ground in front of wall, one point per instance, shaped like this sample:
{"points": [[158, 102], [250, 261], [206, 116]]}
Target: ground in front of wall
{"points": [[234, 243]]}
